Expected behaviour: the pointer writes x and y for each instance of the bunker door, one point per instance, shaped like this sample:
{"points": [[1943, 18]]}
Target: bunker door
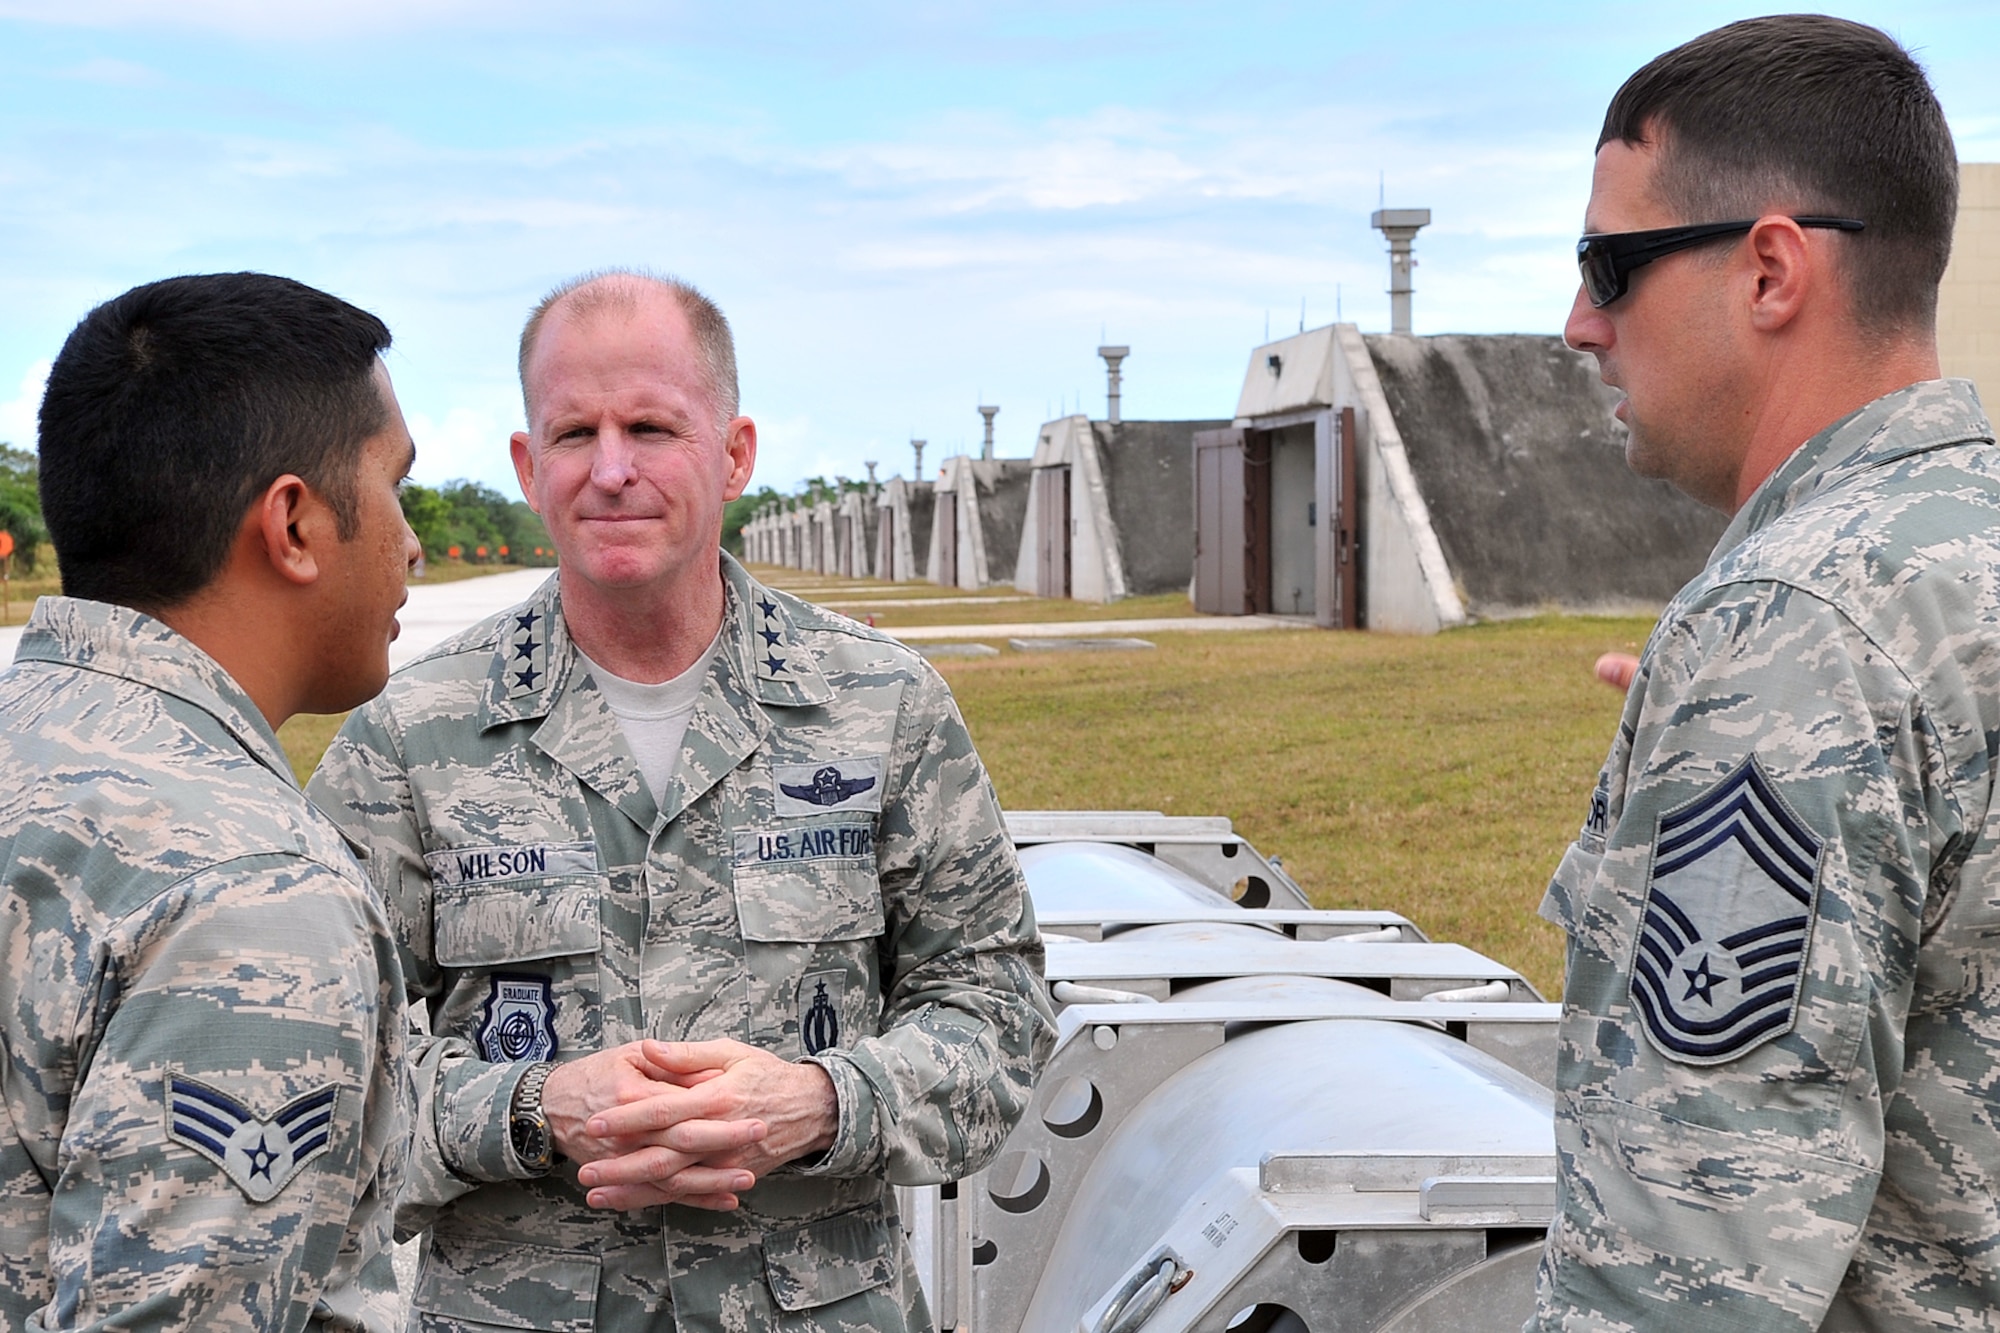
{"points": [[946, 539], [1053, 532], [1232, 506]]}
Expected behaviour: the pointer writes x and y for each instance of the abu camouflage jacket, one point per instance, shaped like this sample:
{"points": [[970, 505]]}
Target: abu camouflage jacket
{"points": [[828, 878], [203, 1104], [1778, 1101]]}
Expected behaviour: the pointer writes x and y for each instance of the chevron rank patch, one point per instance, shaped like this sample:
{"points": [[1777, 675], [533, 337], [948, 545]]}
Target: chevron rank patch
{"points": [[1729, 912], [832, 784], [261, 1154]]}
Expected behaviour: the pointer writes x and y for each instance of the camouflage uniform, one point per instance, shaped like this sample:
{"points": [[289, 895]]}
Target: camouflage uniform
{"points": [[1776, 1095], [203, 1089], [827, 878]]}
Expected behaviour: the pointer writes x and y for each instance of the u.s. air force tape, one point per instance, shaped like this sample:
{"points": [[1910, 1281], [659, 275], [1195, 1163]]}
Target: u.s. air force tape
{"points": [[823, 842]]}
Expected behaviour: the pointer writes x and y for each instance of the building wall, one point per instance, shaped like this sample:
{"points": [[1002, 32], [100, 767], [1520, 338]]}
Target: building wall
{"points": [[1149, 482], [1969, 300], [1511, 438]]}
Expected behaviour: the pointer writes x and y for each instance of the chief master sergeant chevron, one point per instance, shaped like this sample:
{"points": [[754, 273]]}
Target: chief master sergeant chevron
{"points": [[202, 1088], [1779, 1073], [657, 800]]}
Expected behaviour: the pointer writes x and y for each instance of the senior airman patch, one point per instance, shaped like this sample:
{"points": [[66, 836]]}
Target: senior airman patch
{"points": [[260, 1154], [1727, 919]]}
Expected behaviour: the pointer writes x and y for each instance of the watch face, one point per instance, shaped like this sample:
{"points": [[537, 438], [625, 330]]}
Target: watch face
{"points": [[531, 1142]]}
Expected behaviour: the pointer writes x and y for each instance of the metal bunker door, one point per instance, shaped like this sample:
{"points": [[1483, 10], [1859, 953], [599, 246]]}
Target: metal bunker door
{"points": [[885, 543], [1232, 516], [1052, 527], [946, 539], [1338, 555]]}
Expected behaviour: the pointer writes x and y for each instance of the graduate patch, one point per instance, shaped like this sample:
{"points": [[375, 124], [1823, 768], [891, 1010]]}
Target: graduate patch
{"points": [[1729, 911], [820, 995], [261, 1154], [835, 784], [518, 1021]]}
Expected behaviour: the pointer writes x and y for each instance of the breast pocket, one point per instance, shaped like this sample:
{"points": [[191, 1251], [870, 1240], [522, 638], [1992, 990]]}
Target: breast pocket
{"points": [[809, 907], [521, 953]]}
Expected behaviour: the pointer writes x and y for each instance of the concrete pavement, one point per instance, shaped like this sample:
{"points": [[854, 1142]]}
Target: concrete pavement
{"points": [[437, 611]]}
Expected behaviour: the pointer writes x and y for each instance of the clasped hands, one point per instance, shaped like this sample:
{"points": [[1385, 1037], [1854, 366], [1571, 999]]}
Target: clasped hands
{"points": [[696, 1123]]}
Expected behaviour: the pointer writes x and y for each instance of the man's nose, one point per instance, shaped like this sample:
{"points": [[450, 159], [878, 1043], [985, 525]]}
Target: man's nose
{"points": [[611, 462], [1586, 329]]}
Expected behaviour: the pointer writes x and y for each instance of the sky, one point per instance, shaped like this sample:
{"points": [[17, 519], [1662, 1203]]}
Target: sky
{"points": [[905, 209]]}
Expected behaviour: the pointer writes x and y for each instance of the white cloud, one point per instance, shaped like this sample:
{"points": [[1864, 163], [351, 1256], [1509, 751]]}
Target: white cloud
{"points": [[465, 442], [17, 414]]}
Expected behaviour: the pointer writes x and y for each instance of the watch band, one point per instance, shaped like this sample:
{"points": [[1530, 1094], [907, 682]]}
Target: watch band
{"points": [[526, 1125]]}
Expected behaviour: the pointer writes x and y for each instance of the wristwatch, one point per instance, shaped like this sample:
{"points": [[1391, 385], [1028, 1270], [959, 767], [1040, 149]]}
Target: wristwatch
{"points": [[526, 1125]]}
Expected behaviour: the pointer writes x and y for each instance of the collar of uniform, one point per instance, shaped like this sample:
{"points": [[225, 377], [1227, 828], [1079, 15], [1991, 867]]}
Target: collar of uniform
{"points": [[118, 641], [1930, 414], [766, 644], [532, 655]]}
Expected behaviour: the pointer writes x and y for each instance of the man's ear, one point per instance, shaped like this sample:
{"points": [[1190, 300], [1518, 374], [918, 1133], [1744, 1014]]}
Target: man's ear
{"points": [[290, 526], [520, 445], [742, 447], [1786, 271]]}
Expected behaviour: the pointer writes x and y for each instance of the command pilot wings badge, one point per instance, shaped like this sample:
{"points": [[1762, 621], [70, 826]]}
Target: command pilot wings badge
{"points": [[846, 784], [260, 1154], [1728, 915]]}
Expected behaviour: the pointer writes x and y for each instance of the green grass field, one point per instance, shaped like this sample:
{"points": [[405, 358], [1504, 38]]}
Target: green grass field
{"points": [[1439, 777]]}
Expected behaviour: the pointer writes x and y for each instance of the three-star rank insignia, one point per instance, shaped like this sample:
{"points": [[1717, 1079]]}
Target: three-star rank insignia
{"points": [[1727, 919], [524, 655], [772, 664], [260, 1154]]}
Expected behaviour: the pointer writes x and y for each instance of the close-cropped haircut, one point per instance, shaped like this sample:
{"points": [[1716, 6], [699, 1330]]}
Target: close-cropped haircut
{"points": [[617, 289], [1807, 114], [172, 407]]}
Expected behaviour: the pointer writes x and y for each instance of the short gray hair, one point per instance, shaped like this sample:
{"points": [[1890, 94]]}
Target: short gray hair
{"points": [[617, 289]]}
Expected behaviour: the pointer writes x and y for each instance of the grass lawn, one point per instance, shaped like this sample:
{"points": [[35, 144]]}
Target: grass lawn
{"points": [[1438, 777], [863, 598]]}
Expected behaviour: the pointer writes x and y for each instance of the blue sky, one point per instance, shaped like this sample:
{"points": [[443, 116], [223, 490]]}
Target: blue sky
{"points": [[903, 208]]}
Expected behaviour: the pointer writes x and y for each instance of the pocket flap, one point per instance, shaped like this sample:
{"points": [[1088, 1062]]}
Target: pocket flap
{"points": [[828, 1261], [508, 1284], [479, 925], [785, 894]]}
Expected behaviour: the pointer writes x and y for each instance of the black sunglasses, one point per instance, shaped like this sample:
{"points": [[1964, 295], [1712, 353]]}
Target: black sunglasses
{"points": [[1607, 258]]}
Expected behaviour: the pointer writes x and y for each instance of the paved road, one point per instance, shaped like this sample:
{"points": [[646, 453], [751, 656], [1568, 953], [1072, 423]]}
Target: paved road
{"points": [[437, 611], [433, 613]]}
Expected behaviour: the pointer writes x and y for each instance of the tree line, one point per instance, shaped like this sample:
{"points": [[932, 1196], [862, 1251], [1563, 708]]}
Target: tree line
{"points": [[463, 520], [460, 520]]}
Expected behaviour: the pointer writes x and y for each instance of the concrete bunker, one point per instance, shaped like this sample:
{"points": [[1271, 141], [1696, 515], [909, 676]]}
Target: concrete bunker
{"points": [[981, 507], [1402, 483], [903, 530], [1110, 509]]}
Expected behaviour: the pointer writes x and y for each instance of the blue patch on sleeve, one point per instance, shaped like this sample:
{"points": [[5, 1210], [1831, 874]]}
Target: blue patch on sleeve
{"points": [[1728, 916]]}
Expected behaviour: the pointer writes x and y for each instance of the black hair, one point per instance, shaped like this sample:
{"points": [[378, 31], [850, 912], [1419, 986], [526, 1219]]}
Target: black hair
{"points": [[1807, 114], [172, 407]]}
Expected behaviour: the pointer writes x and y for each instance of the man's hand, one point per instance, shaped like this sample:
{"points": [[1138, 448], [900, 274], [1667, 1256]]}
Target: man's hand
{"points": [[703, 1086], [623, 1078], [1617, 669]]}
